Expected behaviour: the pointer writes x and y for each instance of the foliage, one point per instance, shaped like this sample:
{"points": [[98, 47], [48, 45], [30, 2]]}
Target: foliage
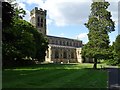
{"points": [[116, 51], [19, 12], [18, 43], [41, 45], [22, 41], [11, 9], [114, 57], [111, 62], [117, 46], [99, 25], [7, 14]]}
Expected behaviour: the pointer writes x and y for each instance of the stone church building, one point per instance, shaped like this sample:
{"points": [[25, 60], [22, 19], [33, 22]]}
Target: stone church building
{"points": [[61, 50]]}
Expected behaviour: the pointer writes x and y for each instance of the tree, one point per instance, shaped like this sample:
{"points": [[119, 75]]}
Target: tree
{"points": [[113, 59], [7, 14], [18, 42], [99, 25], [21, 40], [19, 12], [10, 12], [117, 47], [41, 46]]}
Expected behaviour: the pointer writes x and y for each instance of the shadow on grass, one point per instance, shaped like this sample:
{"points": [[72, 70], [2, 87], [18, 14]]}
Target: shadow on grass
{"points": [[53, 66], [57, 89], [53, 78], [40, 65]]}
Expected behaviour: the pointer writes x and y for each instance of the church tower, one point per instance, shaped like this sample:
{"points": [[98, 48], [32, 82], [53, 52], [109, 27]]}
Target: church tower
{"points": [[38, 19]]}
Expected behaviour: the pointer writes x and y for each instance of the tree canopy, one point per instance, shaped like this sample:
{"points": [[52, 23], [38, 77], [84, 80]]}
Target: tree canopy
{"points": [[21, 41], [117, 47], [99, 25], [7, 14]]}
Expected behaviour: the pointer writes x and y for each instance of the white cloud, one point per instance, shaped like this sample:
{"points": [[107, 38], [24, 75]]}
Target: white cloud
{"points": [[47, 31], [23, 5], [49, 21], [82, 36], [62, 35], [113, 8], [27, 16], [67, 12], [35, 2], [38, 2], [112, 0]]}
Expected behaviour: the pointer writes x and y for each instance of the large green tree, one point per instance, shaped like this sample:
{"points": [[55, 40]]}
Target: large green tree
{"points": [[99, 25], [18, 42], [21, 40]]}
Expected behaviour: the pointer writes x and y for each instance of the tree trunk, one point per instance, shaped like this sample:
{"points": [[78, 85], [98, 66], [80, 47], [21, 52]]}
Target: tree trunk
{"points": [[95, 63]]}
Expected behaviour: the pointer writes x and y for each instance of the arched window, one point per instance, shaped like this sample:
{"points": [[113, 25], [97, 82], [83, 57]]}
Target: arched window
{"points": [[48, 54], [63, 43], [65, 54], [38, 19], [56, 54], [52, 41], [70, 44], [56, 42], [60, 42], [72, 55], [41, 22], [67, 43], [78, 44]]}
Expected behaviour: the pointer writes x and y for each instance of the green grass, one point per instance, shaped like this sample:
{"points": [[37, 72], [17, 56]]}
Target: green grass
{"points": [[55, 76]]}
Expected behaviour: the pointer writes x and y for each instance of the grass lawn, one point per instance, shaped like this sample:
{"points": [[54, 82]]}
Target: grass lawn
{"points": [[55, 76]]}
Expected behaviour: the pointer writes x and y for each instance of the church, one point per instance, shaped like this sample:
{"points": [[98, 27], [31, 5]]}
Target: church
{"points": [[61, 49]]}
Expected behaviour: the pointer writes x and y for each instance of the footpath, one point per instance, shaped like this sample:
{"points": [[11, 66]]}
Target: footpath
{"points": [[114, 78]]}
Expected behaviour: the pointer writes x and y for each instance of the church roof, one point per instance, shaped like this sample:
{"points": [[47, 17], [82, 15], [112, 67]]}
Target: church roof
{"points": [[61, 46], [63, 38]]}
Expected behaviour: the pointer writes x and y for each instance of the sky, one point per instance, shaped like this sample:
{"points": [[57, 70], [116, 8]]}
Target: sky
{"points": [[66, 18]]}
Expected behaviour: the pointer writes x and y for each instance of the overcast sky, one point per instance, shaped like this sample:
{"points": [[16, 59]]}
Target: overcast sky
{"points": [[66, 18]]}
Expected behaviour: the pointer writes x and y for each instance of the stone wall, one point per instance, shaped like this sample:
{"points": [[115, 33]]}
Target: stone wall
{"points": [[64, 41], [63, 54]]}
